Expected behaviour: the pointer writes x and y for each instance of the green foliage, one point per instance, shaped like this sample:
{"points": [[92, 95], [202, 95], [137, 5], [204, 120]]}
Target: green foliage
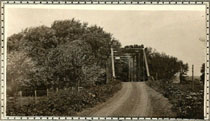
{"points": [[66, 54], [14, 42], [163, 66], [18, 65], [38, 41], [187, 102], [69, 30], [122, 69], [65, 102], [115, 44], [99, 40]]}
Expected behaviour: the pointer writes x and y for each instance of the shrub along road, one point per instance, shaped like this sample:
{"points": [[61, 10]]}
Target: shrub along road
{"points": [[134, 99]]}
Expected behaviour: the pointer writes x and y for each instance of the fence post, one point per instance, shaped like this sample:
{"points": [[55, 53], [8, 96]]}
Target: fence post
{"points": [[35, 96], [21, 95], [56, 90], [193, 85]]}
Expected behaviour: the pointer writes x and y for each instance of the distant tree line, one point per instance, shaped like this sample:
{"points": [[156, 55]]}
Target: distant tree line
{"points": [[68, 53], [163, 66]]}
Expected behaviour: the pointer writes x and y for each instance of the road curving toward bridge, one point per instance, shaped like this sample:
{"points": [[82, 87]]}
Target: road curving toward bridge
{"points": [[134, 99]]}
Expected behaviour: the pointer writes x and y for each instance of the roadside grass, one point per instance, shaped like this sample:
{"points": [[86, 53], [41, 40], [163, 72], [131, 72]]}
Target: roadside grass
{"points": [[186, 98], [64, 103]]}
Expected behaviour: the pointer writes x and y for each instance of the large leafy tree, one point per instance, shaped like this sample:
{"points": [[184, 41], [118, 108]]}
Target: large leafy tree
{"points": [[66, 63], [99, 40], [66, 54], [38, 41]]}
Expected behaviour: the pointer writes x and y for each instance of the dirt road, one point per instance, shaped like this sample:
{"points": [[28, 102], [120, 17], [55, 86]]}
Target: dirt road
{"points": [[134, 99]]}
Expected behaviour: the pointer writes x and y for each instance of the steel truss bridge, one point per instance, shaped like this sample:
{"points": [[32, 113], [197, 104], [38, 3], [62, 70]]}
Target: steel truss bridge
{"points": [[138, 69]]}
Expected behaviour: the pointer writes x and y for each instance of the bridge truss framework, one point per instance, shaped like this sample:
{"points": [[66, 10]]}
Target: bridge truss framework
{"points": [[135, 65]]}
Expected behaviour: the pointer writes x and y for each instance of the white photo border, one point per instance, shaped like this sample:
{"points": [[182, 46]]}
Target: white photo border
{"points": [[4, 60]]}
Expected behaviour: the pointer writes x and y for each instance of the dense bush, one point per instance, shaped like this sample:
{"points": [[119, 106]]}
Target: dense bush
{"points": [[65, 102], [187, 102]]}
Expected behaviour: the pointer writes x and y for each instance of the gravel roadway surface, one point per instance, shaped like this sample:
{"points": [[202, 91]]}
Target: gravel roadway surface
{"points": [[135, 99]]}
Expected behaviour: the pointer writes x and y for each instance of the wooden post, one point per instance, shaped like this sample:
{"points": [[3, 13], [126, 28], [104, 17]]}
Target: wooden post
{"points": [[21, 96], [143, 68], [35, 96], [56, 90], [193, 77]]}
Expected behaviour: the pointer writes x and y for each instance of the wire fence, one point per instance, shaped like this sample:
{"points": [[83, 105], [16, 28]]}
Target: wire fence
{"points": [[27, 96]]}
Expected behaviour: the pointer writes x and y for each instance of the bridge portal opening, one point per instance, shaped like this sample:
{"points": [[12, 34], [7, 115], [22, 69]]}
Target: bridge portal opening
{"points": [[130, 64]]}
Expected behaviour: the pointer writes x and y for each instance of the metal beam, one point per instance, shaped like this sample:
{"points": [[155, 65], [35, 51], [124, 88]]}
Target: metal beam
{"points": [[113, 68], [146, 64]]}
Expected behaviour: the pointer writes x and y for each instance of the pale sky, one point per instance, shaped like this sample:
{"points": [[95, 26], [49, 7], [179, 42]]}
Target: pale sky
{"points": [[175, 30]]}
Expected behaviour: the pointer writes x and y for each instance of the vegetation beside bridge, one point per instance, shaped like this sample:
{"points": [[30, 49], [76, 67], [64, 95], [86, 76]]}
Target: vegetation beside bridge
{"points": [[69, 54], [187, 101]]}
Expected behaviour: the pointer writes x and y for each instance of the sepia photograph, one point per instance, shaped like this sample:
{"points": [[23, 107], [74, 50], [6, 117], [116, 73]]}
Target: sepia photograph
{"points": [[105, 60]]}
